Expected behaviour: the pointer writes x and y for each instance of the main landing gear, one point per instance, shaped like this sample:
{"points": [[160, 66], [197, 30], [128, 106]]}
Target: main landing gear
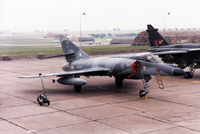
{"points": [[77, 88], [42, 97], [143, 93], [118, 83], [190, 73]]}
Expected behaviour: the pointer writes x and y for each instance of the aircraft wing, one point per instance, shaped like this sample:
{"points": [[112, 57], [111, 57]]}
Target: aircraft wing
{"points": [[89, 71], [170, 52]]}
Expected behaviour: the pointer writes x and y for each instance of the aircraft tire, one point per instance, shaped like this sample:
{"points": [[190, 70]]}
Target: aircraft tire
{"points": [[188, 75], [48, 102], [119, 82], [77, 88], [142, 93]]}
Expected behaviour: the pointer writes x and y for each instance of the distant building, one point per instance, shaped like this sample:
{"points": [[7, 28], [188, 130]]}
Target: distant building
{"points": [[141, 39], [55, 35], [75, 38], [86, 39], [122, 40], [173, 37]]}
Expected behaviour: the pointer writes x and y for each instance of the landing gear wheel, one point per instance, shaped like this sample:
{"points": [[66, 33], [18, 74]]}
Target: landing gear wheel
{"points": [[42, 99], [77, 88], [142, 94], [119, 82], [188, 75]]}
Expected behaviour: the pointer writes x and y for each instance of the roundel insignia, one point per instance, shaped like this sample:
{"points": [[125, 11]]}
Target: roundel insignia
{"points": [[72, 67], [144, 68], [158, 69]]}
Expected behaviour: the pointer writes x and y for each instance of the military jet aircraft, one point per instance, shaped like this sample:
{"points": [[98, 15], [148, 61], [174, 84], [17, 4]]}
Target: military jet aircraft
{"points": [[80, 64], [184, 55]]}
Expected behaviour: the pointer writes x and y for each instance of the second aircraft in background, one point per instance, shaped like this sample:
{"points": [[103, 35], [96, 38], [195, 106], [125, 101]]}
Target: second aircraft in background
{"points": [[184, 55]]}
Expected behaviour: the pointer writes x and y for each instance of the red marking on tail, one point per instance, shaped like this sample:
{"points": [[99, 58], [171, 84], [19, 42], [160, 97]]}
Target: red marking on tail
{"points": [[156, 43]]}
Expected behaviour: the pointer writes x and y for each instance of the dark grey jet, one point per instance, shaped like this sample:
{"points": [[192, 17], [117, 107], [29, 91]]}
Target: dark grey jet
{"points": [[80, 64], [184, 55]]}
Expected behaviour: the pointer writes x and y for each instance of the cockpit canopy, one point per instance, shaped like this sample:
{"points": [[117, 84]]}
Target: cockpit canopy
{"points": [[148, 57]]}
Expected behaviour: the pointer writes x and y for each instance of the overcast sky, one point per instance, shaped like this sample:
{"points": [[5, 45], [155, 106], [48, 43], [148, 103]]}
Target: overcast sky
{"points": [[56, 15]]}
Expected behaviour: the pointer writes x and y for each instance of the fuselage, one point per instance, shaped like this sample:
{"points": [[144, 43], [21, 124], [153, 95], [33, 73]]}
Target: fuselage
{"points": [[116, 66], [123, 67]]}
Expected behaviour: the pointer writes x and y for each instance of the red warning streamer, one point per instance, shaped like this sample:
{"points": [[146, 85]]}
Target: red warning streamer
{"points": [[135, 67]]}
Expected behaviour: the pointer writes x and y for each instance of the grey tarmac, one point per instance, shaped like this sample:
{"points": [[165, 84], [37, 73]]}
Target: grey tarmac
{"points": [[98, 108]]}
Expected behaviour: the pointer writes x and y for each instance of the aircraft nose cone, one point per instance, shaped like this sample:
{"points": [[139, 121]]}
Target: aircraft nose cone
{"points": [[178, 71]]}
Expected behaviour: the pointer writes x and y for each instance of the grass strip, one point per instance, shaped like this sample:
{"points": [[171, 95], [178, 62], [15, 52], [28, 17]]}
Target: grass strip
{"points": [[33, 50]]}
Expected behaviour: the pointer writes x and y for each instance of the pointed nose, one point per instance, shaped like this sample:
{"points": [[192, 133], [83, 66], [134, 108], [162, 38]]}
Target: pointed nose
{"points": [[178, 71]]}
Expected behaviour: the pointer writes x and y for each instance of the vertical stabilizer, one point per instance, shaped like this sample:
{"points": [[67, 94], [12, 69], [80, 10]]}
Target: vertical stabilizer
{"points": [[71, 51], [155, 39]]}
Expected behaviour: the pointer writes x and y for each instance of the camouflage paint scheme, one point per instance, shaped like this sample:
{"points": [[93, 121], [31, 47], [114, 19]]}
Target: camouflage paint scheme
{"points": [[139, 66]]}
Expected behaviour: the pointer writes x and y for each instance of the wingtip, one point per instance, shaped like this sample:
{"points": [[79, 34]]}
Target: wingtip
{"points": [[21, 77], [29, 76]]}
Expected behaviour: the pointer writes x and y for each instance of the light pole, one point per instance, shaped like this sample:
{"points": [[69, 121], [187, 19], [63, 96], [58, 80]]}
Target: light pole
{"points": [[165, 14], [81, 28]]}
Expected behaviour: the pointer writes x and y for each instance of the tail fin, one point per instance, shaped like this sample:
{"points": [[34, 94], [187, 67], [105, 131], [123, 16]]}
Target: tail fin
{"points": [[156, 40], [71, 51]]}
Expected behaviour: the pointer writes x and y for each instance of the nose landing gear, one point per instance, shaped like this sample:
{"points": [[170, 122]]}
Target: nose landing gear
{"points": [[143, 93]]}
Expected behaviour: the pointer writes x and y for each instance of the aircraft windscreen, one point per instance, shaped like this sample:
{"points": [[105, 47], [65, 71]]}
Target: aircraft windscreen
{"points": [[152, 58]]}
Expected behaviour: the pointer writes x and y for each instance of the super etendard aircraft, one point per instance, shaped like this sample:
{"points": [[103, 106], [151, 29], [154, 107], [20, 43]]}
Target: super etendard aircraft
{"points": [[184, 55], [121, 67]]}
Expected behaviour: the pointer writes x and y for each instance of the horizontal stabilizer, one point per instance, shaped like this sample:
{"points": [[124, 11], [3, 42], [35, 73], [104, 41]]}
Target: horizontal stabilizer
{"points": [[59, 55]]}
